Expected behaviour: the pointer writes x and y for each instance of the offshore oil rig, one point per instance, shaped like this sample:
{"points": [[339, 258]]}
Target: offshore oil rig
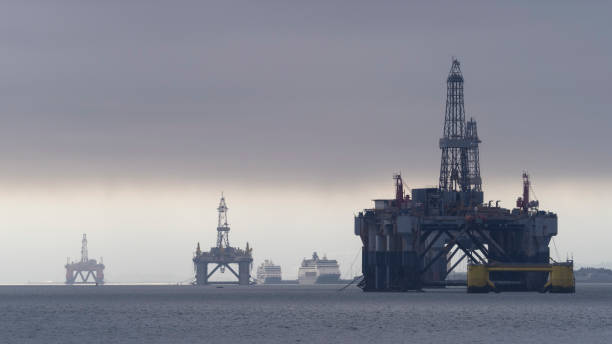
{"points": [[80, 272], [415, 242], [223, 254]]}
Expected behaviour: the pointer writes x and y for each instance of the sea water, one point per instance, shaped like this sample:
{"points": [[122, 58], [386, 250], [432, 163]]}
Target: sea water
{"points": [[299, 314]]}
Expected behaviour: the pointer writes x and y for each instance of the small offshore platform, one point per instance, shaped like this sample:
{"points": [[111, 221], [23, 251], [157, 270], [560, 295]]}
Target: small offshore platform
{"points": [[410, 242], [223, 255], [81, 271]]}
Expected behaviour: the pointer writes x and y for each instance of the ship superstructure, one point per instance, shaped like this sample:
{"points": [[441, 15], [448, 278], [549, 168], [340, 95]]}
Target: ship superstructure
{"points": [[319, 271], [268, 273]]}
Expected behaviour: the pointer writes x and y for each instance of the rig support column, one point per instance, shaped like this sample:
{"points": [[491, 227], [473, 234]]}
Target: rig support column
{"points": [[381, 266], [201, 274], [243, 272], [369, 259]]}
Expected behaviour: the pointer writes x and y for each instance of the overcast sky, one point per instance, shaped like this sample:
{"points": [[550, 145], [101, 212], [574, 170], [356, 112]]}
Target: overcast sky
{"points": [[126, 120]]}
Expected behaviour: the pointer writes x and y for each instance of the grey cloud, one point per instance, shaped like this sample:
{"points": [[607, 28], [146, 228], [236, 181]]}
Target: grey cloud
{"points": [[323, 92]]}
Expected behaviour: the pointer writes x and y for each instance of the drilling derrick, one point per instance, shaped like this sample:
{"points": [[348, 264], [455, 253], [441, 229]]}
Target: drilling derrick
{"points": [[222, 226], [454, 166], [414, 242], [84, 255], [81, 271], [223, 254], [459, 165]]}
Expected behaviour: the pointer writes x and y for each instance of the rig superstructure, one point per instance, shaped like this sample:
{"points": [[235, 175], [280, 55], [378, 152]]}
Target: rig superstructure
{"points": [[413, 242], [223, 254], [81, 271]]}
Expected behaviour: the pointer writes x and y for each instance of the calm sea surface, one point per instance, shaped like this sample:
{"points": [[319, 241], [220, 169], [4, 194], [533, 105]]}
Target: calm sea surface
{"points": [[291, 314]]}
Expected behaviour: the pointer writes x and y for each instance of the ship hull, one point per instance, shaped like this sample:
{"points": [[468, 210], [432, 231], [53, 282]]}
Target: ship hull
{"points": [[270, 280], [308, 277], [328, 279]]}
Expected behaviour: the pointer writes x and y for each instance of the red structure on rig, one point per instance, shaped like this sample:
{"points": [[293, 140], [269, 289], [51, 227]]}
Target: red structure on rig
{"points": [[524, 202], [400, 195]]}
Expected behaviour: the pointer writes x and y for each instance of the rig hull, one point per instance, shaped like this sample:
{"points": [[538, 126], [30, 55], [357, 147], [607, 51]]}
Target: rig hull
{"points": [[411, 246]]}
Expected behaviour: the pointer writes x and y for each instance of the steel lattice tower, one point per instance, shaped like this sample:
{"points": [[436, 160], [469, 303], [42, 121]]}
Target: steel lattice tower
{"points": [[84, 255], [471, 133], [222, 226], [454, 165]]}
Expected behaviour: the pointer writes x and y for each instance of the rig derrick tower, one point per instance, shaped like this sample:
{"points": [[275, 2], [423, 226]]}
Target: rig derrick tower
{"points": [[460, 163], [81, 271], [222, 226], [454, 163], [223, 254]]}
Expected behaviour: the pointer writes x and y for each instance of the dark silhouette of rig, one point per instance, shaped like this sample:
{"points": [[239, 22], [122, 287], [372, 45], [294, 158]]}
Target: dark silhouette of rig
{"points": [[81, 271], [414, 242], [223, 255]]}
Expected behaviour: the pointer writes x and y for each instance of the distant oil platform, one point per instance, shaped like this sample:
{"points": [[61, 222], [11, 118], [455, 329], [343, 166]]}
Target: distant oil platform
{"points": [[80, 272], [223, 254]]}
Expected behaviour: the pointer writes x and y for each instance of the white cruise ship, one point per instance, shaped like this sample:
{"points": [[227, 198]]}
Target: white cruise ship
{"points": [[268, 273], [317, 270]]}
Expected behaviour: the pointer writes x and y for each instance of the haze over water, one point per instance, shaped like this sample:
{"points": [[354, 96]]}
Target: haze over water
{"points": [[126, 120]]}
